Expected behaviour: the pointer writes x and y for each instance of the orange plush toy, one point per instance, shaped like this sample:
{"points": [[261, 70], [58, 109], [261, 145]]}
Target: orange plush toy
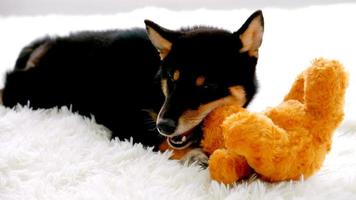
{"points": [[282, 143]]}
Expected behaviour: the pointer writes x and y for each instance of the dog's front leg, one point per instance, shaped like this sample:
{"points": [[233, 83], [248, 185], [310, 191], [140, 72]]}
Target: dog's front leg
{"points": [[195, 156]]}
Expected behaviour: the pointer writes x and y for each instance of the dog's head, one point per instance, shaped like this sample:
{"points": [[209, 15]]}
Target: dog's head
{"points": [[203, 68]]}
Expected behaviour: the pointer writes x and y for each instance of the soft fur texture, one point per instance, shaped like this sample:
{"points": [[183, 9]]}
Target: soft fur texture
{"points": [[290, 140]]}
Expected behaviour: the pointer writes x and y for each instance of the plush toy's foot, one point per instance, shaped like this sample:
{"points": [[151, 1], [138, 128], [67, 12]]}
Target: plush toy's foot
{"points": [[228, 168]]}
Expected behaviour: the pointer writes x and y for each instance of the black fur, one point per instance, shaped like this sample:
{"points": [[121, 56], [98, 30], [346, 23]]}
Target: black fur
{"points": [[107, 74], [115, 76]]}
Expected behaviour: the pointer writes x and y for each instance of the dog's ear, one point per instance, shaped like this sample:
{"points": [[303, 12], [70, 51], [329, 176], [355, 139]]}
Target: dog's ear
{"points": [[160, 37], [251, 33]]}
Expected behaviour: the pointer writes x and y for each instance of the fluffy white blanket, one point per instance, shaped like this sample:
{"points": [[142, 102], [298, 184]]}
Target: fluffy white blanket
{"points": [[55, 154]]}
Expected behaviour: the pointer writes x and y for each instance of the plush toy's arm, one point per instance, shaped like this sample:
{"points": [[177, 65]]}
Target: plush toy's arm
{"points": [[325, 90]]}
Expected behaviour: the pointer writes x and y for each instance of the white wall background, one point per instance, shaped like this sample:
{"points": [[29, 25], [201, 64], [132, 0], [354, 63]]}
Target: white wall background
{"points": [[81, 7], [296, 31]]}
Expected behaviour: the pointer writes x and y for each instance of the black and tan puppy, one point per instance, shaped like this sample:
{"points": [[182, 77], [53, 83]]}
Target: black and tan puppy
{"points": [[136, 91]]}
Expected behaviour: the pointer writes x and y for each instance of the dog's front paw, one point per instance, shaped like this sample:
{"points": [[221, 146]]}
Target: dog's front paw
{"points": [[195, 156]]}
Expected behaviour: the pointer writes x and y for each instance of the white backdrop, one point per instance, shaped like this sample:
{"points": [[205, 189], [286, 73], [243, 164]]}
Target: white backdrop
{"points": [[80, 7], [293, 37]]}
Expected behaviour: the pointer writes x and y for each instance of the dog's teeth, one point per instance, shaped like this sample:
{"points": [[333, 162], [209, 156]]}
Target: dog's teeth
{"points": [[184, 138]]}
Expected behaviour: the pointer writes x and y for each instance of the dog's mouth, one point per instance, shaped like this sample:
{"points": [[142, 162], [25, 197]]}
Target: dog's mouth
{"points": [[184, 140]]}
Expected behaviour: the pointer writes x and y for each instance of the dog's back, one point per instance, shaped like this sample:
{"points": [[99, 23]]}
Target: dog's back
{"points": [[107, 74]]}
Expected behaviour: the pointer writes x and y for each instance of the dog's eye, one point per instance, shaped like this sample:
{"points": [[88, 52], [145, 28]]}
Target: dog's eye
{"points": [[205, 84]]}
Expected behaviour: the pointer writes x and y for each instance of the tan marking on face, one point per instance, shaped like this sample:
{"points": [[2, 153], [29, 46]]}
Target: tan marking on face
{"points": [[164, 86], [192, 118], [239, 94], [163, 53], [176, 75], [253, 53], [200, 81]]}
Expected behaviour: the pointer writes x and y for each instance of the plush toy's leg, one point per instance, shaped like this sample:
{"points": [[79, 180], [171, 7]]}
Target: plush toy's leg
{"points": [[263, 144], [226, 167]]}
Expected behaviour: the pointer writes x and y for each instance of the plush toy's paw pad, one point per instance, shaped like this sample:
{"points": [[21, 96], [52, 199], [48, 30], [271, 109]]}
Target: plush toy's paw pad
{"points": [[195, 156]]}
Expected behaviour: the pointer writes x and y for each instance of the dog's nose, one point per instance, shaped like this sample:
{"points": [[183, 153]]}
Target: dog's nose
{"points": [[166, 126]]}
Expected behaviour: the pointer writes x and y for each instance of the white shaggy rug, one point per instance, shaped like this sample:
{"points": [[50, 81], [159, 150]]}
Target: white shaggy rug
{"points": [[55, 154]]}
